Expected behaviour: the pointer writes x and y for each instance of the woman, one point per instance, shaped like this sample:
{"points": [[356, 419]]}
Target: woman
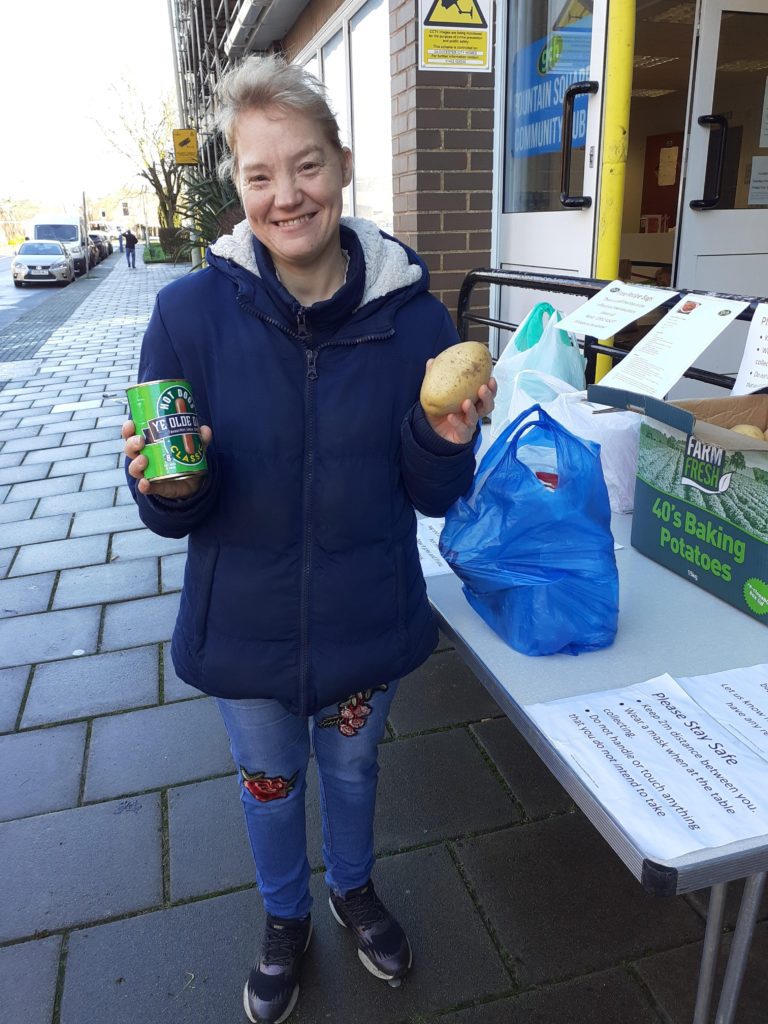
{"points": [[305, 343]]}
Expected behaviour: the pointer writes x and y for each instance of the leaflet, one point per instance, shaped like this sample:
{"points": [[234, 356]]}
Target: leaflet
{"points": [[673, 778], [428, 538], [738, 698], [614, 308], [753, 371], [661, 358]]}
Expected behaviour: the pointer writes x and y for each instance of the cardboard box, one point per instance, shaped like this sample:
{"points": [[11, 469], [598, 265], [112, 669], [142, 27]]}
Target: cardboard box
{"points": [[701, 493]]}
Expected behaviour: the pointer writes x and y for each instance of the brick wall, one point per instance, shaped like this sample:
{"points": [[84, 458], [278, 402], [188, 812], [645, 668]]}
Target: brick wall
{"points": [[442, 139]]}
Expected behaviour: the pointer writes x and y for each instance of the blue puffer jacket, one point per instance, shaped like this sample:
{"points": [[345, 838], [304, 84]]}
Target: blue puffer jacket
{"points": [[303, 581]]}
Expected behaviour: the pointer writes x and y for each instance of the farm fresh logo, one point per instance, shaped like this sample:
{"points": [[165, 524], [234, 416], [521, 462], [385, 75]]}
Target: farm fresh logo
{"points": [[703, 467]]}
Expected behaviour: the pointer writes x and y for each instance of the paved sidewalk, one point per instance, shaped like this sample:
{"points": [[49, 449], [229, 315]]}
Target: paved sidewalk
{"points": [[126, 886]]}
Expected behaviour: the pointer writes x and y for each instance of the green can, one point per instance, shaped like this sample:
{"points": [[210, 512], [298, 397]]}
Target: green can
{"points": [[164, 414]]}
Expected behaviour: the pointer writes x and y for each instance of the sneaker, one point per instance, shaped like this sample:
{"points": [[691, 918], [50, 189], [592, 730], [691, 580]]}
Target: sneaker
{"points": [[382, 944], [272, 988]]}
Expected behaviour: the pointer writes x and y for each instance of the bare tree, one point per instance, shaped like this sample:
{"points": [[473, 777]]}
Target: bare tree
{"points": [[145, 137]]}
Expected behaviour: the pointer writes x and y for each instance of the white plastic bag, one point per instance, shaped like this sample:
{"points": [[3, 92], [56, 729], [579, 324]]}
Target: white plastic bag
{"points": [[617, 431], [537, 344]]}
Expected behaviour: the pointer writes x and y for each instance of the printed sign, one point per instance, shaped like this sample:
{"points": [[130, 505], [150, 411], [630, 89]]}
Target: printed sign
{"points": [[542, 73], [661, 358], [753, 372], [672, 777], [613, 308], [185, 145], [455, 35]]}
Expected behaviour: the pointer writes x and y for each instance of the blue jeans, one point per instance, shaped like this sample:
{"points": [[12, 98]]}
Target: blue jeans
{"points": [[271, 748], [130, 255]]}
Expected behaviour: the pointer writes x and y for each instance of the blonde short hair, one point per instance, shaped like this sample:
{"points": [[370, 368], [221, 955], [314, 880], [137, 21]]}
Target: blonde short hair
{"points": [[263, 82]]}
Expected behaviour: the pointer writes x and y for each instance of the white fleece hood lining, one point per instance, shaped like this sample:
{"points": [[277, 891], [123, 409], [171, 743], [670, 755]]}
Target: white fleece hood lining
{"points": [[386, 261]]}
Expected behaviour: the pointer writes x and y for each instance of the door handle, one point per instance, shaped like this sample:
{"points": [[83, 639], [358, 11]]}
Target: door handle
{"points": [[566, 199], [709, 202]]}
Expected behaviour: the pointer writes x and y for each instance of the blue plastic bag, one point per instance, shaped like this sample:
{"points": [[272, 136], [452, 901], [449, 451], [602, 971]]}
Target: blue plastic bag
{"points": [[537, 563]]}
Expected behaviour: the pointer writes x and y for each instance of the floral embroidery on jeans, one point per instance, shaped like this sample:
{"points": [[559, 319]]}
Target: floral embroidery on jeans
{"points": [[353, 712], [265, 789]]}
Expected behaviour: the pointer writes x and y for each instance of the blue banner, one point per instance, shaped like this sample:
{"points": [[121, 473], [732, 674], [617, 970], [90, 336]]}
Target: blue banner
{"points": [[541, 74]]}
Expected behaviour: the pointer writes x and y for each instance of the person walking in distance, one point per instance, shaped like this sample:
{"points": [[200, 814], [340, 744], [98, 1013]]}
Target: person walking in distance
{"points": [[304, 341], [130, 248]]}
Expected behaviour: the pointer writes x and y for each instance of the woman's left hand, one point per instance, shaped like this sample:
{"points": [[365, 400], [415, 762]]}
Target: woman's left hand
{"points": [[459, 427]]}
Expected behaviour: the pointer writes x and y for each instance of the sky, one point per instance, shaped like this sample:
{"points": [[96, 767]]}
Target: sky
{"points": [[62, 67]]}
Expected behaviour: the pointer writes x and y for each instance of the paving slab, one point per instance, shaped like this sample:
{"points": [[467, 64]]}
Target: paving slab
{"points": [[115, 581], [40, 770], [163, 746], [7, 556], [88, 465], [60, 554], [88, 864], [19, 474], [27, 639], [97, 685], [106, 520], [25, 594], [69, 502], [34, 531], [43, 488], [13, 683], [442, 692], [28, 974], [532, 783], [10, 459], [190, 962], [672, 977], [51, 454], [173, 687], [172, 571], [16, 511], [144, 621], [608, 997], [105, 478], [561, 870], [133, 545], [209, 846], [446, 786]]}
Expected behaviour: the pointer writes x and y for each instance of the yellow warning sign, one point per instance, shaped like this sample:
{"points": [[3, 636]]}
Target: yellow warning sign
{"points": [[455, 14], [446, 48], [185, 145]]}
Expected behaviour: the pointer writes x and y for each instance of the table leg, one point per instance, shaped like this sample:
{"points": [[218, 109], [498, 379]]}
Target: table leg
{"points": [[742, 939], [709, 954]]}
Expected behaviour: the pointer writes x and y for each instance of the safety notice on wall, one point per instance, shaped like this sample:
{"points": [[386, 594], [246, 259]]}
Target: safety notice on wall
{"points": [[455, 35]]}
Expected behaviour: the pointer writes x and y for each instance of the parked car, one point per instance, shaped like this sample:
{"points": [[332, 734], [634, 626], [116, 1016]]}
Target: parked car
{"points": [[44, 262], [70, 231], [102, 243], [94, 256]]}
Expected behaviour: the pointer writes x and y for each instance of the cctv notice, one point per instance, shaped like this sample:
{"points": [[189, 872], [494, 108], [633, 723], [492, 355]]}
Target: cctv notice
{"points": [[673, 777], [661, 358]]}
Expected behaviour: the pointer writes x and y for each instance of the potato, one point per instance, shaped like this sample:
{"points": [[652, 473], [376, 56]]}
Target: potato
{"points": [[749, 431], [456, 374]]}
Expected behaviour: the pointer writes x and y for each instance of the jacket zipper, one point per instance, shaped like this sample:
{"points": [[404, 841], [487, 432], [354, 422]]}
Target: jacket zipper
{"points": [[303, 334]]}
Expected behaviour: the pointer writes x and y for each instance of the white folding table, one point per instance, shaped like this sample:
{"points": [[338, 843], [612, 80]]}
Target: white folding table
{"points": [[666, 624]]}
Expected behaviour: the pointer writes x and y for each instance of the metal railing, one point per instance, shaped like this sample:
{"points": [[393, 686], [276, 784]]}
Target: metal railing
{"points": [[586, 287]]}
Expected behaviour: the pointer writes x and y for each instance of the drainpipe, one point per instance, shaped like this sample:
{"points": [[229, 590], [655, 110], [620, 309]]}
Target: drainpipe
{"points": [[620, 51]]}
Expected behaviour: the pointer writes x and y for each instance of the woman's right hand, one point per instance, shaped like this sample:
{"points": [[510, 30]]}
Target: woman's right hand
{"points": [[183, 488]]}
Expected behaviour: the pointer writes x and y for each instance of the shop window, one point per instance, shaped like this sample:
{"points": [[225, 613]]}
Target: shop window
{"points": [[351, 57]]}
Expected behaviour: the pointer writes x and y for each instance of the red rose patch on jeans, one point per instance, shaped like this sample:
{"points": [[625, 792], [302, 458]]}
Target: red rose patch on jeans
{"points": [[353, 712], [265, 789]]}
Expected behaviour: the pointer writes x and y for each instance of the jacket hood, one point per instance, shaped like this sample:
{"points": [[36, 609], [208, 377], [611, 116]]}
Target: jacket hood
{"points": [[388, 264]]}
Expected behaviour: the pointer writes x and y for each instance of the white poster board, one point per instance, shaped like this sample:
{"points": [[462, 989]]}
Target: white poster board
{"points": [[753, 371], [661, 358], [673, 778], [613, 308]]}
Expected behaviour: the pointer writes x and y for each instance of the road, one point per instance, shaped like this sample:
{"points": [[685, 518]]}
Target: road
{"points": [[14, 302]]}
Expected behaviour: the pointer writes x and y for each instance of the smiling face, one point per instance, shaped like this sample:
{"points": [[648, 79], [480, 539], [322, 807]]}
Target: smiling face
{"points": [[290, 177]]}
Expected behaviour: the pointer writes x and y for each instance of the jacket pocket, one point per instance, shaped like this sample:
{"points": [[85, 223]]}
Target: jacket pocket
{"points": [[203, 585]]}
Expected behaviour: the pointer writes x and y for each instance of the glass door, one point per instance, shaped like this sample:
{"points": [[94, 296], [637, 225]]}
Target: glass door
{"points": [[553, 101], [723, 235]]}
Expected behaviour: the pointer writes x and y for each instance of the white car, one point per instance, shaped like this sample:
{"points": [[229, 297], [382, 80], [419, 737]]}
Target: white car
{"points": [[42, 261]]}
